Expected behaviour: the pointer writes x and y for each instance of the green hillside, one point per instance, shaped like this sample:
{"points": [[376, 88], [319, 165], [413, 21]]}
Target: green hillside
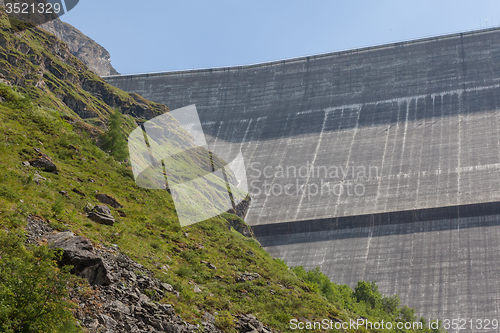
{"points": [[52, 104]]}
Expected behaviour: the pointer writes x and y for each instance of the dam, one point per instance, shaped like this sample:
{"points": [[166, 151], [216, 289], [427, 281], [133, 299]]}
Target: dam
{"points": [[380, 163]]}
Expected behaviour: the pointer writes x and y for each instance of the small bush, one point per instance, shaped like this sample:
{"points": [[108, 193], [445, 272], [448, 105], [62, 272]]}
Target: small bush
{"points": [[150, 293], [32, 289], [184, 271], [7, 193], [14, 99], [114, 140], [58, 206], [225, 321]]}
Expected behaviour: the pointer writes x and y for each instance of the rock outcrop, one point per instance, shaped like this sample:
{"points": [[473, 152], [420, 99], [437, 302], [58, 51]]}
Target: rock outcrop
{"points": [[79, 252], [101, 214], [242, 208], [45, 163], [108, 200], [69, 80], [122, 306], [96, 57]]}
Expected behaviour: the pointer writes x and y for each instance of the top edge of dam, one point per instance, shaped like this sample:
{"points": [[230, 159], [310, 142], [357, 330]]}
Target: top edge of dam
{"points": [[311, 56]]}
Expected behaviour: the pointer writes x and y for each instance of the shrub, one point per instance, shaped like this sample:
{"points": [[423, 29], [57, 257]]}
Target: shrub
{"points": [[32, 289], [225, 321], [14, 99], [114, 139], [184, 271], [58, 206], [368, 292], [8, 193], [391, 304]]}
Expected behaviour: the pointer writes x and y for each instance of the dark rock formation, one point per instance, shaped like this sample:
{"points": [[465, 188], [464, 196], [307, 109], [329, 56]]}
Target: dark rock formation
{"points": [[240, 226], [242, 208], [77, 191], [101, 214], [79, 252], [45, 163], [108, 200], [249, 323]]}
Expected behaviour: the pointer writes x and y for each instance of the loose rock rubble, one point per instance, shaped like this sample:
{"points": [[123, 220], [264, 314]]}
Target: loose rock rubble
{"points": [[250, 324], [122, 305], [248, 277]]}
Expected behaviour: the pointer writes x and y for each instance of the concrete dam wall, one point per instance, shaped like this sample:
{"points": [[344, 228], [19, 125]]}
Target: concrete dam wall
{"points": [[381, 163]]}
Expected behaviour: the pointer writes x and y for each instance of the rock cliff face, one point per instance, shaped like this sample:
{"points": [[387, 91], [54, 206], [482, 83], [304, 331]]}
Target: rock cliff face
{"points": [[96, 57], [39, 62]]}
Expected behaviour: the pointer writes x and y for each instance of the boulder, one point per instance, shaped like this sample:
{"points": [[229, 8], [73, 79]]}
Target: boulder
{"points": [[108, 200], [79, 252], [45, 163], [101, 214], [106, 321]]}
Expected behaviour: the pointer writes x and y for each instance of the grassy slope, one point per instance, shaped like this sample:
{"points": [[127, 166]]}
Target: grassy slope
{"points": [[42, 66], [150, 232]]}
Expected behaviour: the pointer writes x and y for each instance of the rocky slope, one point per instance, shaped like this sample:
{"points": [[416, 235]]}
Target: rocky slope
{"points": [[44, 67], [96, 57], [120, 303]]}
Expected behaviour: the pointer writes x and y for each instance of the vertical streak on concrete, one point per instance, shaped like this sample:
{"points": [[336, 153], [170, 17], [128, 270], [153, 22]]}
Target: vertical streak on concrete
{"points": [[381, 174], [340, 125], [218, 132], [402, 158], [312, 162], [423, 129], [390, 174], [463, 109], [269, 195], [462, 99], [367, 250], [355, 131], [442, 143]]}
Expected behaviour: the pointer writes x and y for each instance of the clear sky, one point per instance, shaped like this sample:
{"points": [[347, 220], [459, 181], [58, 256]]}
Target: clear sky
{"points": [[162, 35]]}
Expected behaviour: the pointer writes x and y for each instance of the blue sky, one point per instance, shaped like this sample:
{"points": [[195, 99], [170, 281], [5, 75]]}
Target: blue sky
{"points": [[162, 35]]}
